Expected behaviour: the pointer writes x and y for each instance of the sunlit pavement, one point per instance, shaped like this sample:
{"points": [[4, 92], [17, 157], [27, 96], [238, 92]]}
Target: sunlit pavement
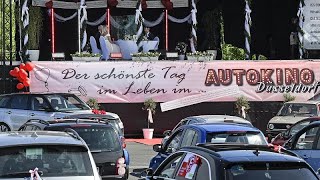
{"points": [[140, 156]]}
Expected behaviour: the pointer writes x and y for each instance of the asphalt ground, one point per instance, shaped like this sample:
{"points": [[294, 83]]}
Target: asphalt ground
{"points": [[140, 156]]}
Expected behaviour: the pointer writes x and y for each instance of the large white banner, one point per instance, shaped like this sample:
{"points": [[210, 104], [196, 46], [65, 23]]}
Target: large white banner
{"points": [[126, 82], [311, 27]]}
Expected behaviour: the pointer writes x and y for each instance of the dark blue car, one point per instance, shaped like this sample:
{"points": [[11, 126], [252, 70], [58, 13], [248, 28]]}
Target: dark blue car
{"points": [[190, 135], [306, 144], [232, 162]]}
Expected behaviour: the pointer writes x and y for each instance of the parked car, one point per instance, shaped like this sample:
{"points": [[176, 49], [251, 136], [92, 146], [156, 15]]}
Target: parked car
{"points": [[190, 135], [282, 137], [207, 119], [291, 113], [231, 162], [17, 108], [306, 144], [57, 155], [104, 142]]}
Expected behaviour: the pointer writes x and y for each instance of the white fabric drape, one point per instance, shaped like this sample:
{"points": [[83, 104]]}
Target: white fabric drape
{"points": [[247, 25], [25, 23], [153, 23], [98, 21], [64, 19], [83, 19], [300, 14], [183, 20]]}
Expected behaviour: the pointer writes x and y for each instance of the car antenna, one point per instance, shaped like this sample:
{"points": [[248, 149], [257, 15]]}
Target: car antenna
{"points": [[256, 152]]}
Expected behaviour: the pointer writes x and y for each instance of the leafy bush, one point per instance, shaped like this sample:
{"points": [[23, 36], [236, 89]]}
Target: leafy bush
{"points": [[288, 97]]}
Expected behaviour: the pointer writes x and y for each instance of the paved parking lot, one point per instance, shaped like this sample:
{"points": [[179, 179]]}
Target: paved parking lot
{"points": [[140, 156]]}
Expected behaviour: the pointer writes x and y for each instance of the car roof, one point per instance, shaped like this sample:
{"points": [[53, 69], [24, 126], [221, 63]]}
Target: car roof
{"points": [[221, 127], [216, 118], [248, 153], [303, 102], [35, 93], [20, 138]]}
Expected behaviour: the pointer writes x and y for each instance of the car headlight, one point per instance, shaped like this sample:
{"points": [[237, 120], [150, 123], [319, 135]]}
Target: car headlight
{"points": [[270, 126]]}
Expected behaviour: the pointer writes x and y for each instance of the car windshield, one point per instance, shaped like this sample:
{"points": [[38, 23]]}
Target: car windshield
{"points": [[298, 109], [99, 138], [298, 127], [66, 102], [51, 161], [243, 137], [270, 171]]}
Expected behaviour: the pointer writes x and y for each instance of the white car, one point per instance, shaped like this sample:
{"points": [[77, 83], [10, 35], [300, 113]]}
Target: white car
{"points": [[56, 155], [18, 108]]}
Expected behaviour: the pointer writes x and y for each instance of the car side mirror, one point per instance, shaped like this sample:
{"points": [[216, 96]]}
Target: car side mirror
{"points": [[157, 147], [167, 133], [147, 173]]}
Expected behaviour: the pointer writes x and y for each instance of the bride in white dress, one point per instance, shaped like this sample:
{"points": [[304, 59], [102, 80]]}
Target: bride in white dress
{"points": [[113, 48]]}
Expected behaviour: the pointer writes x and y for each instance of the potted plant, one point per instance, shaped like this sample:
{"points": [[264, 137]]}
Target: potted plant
{"points": [[181, 48], [150, 106], [34, 32], [288, 97], [95, 106], [242, 105], [85, 56], [148, 56]]}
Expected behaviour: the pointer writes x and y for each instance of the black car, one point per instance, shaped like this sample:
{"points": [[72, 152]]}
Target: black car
{"points": [[232, 162], [104, 142]]}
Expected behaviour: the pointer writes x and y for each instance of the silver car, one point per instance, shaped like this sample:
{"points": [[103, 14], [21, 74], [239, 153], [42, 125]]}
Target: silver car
{"points": [[291, 113], [18, 108], [57, 155]]}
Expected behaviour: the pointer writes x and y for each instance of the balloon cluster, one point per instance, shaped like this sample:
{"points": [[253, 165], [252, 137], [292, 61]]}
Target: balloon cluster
{"points": [[144, 4], [167, 4], [112, 3], [21, 74]]}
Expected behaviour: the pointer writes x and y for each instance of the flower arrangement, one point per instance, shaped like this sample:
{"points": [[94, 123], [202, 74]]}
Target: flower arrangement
{"points": [[201, 56], [147, 54], [130, 37], [94, 105], [181, 47], [85, 54]]}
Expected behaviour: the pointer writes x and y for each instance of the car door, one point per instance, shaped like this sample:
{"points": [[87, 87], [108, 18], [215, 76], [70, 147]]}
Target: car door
{"points": [[171, 146], [38, 110], [305, 144], [3, 111], [18, 111]]}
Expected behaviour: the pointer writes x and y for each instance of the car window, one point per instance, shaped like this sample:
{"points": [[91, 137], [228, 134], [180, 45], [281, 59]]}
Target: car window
{"points": [[188, 138], [249, 137], [4, 101], [307, 139], [31, 128], [182, 122], [66, 102], [294, 129], [100, 138], [193, 167], [298, 109], [170, 168], [52, 160], [173, 145], [38, 103], [270, 171], [19, 102]]}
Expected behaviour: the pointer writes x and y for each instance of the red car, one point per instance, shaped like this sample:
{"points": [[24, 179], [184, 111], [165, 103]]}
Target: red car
{"points": [[282, 137]]}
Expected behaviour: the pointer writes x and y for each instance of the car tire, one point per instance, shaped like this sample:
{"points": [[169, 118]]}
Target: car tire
{"points": [[4, 127]]}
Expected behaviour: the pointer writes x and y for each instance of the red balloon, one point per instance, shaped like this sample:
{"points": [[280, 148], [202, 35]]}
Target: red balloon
{"points": [[23, 74], [20, 86], [29, 66], [22, 66], [49, 4], [13, 73], [16, 70], [20, 79], [26, 82]]}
